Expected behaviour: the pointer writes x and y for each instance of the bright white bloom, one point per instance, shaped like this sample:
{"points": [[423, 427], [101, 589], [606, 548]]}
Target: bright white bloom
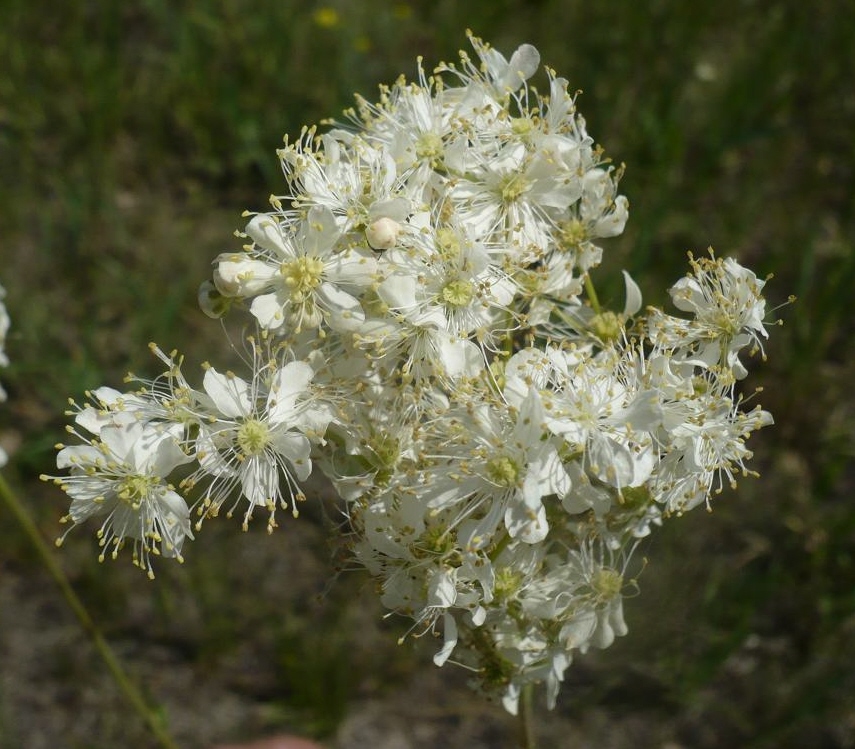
{"points": [[433, 342], [442, 299], [253, 438], [507, 465], [297, 274], [120, 473], [514, 198], [728, 310], [505, 76], [415, 124], [457, 285], [597, 405], [358, 184], [706, 450]]}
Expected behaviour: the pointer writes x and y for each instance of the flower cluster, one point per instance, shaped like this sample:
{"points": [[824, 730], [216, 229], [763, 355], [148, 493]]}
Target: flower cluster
{"points": [[248, 442], [430, 338]]}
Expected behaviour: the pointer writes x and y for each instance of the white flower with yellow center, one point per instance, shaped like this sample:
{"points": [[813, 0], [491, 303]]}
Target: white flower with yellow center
{"points": [[352, 179], [728, 308], [440, 293], [413, 122], [505, 468], [254, 439], [512, 198], [122, 473], [597, 405], [298, 274]]}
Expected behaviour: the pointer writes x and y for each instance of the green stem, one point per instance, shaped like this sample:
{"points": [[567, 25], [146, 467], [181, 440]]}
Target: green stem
{"points": [[125, 684], [592, 294], [526, 718], [500, 547]]}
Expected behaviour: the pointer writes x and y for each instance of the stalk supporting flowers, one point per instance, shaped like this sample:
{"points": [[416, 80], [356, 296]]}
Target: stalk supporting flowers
{"points": [[429, 337], [154, 721], [19, 512]]}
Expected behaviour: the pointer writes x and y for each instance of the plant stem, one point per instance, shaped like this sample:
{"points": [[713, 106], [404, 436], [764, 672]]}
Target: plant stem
{"points": [[592, 294], [526, 718], [122, 679]]}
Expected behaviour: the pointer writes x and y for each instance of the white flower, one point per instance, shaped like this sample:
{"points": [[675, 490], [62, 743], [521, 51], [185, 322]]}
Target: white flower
{"points": [[728, 307], [297, 274], [706, 451], [122, 473], [507, 465], [415, 124], [512, 198], [501, 75], [437, 294], [598, 407], [433, 341], [355, 181], [253, 437]]}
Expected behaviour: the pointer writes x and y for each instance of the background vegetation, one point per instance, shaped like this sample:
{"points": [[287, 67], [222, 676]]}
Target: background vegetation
{"points": [[133, 134]]}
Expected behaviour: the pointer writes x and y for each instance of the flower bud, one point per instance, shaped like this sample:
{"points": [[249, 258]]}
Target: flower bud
{"points": [[212, 302], [382, 234]]}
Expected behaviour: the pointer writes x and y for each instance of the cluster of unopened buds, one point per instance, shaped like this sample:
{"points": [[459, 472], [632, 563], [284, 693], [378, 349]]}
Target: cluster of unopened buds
{"points": [[429, 337]]}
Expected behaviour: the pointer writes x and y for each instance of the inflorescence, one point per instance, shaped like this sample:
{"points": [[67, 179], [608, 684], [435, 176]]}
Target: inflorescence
{"points": [[429, 338]]}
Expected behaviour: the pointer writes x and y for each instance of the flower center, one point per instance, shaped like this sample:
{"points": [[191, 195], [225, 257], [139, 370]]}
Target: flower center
{"points": [[607, 326], [723, 319], [507, 584], [512, 187], [437, 540], [386, 448], [302, 275], [134, 489], [502, 471], [572, 234], [607, 583], [386, 452], [458, 293], [253, 436], [521, 126], [429, 146]]}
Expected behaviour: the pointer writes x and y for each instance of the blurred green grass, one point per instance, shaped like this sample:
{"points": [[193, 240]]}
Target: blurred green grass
{"points": [[132, 135]]}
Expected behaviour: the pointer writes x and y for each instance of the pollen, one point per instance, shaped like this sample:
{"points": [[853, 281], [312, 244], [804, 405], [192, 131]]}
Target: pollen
{"points": [[429, 146], [521, 126], [302, 276], [503, 471], [607, 326], [134, 489], [513, 187], [253, 437], [572, 234], [458, 293], [607, 583]]}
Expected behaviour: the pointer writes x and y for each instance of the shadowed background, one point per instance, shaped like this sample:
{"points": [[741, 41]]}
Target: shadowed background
{"points": [[133, 135]]}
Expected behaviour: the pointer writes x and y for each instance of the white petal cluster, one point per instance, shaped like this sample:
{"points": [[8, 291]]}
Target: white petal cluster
{"points": [[248, 443], [432, 342]]}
